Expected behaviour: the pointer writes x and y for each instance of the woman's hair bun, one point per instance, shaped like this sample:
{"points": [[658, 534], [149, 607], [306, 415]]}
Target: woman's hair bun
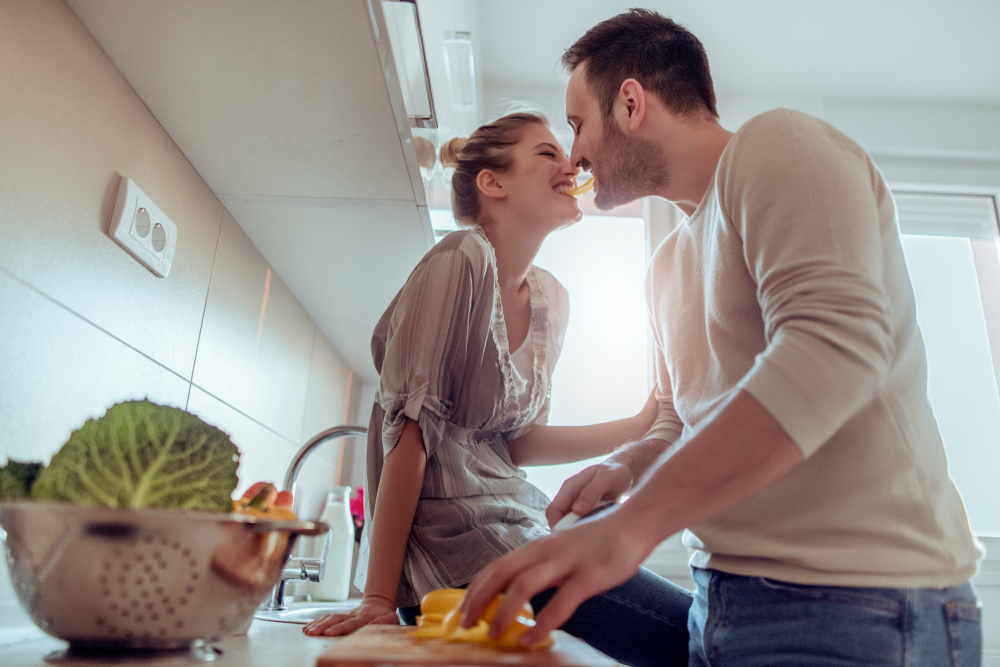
{"points": [[450, 150]]}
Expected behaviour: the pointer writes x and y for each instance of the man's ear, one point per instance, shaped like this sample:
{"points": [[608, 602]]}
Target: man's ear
{"points": [[490, 185], [631, 105]]}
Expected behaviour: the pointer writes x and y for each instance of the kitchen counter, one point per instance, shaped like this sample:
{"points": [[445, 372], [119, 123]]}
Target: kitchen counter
{"points": [[268, 644]]}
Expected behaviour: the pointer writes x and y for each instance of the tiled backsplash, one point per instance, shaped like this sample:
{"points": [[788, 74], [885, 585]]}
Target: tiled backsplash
{"points": [[83, 325]]}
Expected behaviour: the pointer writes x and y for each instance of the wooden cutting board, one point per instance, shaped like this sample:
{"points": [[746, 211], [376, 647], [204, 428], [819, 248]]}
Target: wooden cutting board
{"points": [[390, 645]]}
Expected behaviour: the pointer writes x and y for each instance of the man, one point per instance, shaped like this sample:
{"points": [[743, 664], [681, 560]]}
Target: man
{"points": [[794, 439]]}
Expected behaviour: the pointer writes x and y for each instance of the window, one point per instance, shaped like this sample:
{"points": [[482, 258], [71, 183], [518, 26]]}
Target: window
{"points": [[602, 371], [955, 271], [952, 247]]}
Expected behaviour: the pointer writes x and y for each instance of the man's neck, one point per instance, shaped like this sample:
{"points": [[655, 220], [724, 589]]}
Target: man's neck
{"points": [[694, 150]]}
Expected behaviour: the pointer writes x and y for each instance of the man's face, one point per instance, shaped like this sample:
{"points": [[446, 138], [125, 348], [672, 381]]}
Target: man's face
{"points": [[626, 167]]}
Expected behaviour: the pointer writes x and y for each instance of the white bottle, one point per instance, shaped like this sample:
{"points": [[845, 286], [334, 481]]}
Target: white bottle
{"points": [[336, 584]]}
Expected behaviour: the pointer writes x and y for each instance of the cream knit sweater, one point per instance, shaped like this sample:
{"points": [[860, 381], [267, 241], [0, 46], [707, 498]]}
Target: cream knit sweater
{"points": [[789, 282]]}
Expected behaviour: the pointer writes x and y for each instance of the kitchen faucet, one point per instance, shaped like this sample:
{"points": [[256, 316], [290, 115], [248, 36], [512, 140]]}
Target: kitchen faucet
{"points": [[305, 569]]}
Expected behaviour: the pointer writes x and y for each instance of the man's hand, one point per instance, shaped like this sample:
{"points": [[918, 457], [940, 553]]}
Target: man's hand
{"points": [[582, 561], [605, 481], [371, 611]]}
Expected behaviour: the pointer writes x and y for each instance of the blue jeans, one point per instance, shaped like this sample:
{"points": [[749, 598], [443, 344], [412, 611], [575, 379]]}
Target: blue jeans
{"points": [[752, 621], [641, 623]]}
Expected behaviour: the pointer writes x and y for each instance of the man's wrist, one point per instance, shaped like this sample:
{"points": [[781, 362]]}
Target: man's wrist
{"points": [[638, 456]]}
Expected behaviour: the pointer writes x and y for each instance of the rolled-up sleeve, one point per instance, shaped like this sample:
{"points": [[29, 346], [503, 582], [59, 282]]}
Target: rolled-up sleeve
{"points": [[808, 215], [667, 425], [426, 348]]}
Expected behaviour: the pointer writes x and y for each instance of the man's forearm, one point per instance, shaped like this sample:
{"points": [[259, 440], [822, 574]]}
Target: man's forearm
{"points": [[639, 457], [740, 452]]}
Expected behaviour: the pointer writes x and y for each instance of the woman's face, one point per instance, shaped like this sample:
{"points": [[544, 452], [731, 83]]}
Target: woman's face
{"points": [[536, 182]]}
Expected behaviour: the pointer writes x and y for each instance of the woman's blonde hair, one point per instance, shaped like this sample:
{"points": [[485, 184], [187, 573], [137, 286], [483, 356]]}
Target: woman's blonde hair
{"points": [[487, 148]]}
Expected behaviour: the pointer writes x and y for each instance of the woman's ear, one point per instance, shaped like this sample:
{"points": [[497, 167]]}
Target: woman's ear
{"points": [[490, 185]]}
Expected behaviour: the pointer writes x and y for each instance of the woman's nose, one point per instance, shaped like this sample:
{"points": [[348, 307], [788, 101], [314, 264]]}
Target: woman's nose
{"points": [[568, 168]]}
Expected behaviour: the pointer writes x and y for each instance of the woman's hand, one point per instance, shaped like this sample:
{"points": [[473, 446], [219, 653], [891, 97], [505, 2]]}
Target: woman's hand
{"points": [[371, 611]]}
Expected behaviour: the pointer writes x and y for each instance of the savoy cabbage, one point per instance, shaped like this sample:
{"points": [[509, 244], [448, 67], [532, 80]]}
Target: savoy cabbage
{"points": [[16, 479], [140, 454]]}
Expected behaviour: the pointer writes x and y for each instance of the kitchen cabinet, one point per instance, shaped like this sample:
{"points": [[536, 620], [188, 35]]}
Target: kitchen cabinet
{"points": [[292, 113]]}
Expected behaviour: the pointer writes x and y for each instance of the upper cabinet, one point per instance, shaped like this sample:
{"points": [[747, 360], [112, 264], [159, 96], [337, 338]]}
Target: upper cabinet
{"points": [[293, 115]]}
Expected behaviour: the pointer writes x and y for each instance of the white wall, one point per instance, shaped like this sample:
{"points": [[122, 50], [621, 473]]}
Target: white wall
{"points": [[83, 325]]}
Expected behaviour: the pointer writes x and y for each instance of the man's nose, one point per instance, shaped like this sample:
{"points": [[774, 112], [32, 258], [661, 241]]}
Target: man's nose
{"points": [[574, 156]]}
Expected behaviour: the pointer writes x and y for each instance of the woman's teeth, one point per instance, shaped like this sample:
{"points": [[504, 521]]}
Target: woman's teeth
{"points": [[563, 188]]}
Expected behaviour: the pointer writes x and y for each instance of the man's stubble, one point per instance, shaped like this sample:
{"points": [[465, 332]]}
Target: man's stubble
{"points": [[629, 168]]}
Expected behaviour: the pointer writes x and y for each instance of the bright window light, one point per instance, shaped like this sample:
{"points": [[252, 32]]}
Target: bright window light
{"points": [[962, 386], [602, 371], [442, 221]]}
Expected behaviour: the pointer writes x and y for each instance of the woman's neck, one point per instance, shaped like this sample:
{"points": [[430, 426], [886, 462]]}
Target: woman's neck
{"points": [[515, 249]]}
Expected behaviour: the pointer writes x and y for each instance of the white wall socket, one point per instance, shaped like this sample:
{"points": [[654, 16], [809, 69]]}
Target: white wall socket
{"points": [[139, 226]]}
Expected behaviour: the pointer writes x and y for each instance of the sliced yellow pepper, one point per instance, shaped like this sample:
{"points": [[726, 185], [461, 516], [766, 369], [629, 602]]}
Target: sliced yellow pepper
{"points": [[433, 624], [582, 189]]}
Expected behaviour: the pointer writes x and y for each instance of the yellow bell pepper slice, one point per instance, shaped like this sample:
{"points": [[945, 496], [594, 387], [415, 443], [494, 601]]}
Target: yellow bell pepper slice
{"points": [[582, 189], [441, 619]]}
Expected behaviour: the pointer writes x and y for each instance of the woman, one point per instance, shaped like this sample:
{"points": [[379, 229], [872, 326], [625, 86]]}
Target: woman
{"points": [[465, 354]]}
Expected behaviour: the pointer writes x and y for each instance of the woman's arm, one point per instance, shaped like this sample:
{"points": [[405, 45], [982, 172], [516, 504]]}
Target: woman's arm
{"points": [[549, 445], [396, 503]]}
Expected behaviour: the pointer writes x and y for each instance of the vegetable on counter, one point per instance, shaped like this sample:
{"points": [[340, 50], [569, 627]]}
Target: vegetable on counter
{"points": [[440, 618], [138, 455], [265, 501], [16, 479]]}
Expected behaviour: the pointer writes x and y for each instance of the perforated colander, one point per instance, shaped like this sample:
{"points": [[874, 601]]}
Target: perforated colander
{"points": [[146, 579]]}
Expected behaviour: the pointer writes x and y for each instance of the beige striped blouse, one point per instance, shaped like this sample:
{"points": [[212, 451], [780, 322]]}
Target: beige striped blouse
{"points": [[443, 360]]}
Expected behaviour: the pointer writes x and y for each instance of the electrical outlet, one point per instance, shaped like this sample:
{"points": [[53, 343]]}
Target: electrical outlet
{"points": [[139, 226]]}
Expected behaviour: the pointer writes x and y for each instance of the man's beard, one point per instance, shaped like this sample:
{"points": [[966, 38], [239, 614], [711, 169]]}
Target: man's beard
{"points": [[630, 168]]}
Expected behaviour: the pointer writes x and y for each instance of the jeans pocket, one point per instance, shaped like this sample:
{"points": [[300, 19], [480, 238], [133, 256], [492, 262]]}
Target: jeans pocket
{"points": [[857, 597], [965, 632]]}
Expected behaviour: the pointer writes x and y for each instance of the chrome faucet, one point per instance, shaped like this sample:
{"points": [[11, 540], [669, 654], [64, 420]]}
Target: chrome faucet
{"points": [[305, 569]]}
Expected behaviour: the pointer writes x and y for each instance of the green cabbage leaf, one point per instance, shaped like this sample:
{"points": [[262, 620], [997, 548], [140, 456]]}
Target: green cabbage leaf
{"points": [[140, 454], [16, 478]]}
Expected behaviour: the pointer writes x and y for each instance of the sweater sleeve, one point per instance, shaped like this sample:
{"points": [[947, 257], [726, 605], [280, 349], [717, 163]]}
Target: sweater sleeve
{"points": [[802, 197], [668, 424]]}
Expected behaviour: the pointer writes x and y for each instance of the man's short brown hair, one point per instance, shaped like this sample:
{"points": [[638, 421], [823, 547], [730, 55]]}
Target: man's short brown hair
{"points": [[663, 56]]}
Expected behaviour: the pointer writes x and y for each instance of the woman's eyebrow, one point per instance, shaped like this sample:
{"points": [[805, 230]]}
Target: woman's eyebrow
{"points": [[550, 145]]}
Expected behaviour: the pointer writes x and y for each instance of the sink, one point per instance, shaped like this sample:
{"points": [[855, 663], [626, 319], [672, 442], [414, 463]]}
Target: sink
{"points": [[304, 612]]}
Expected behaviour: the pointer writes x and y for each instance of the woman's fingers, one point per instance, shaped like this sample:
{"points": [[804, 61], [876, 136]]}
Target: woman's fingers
{"points": [[323, 623], [334, 625]]}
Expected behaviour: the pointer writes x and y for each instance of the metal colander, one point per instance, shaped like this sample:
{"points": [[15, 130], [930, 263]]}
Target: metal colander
{"points": [[142, 579]]}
